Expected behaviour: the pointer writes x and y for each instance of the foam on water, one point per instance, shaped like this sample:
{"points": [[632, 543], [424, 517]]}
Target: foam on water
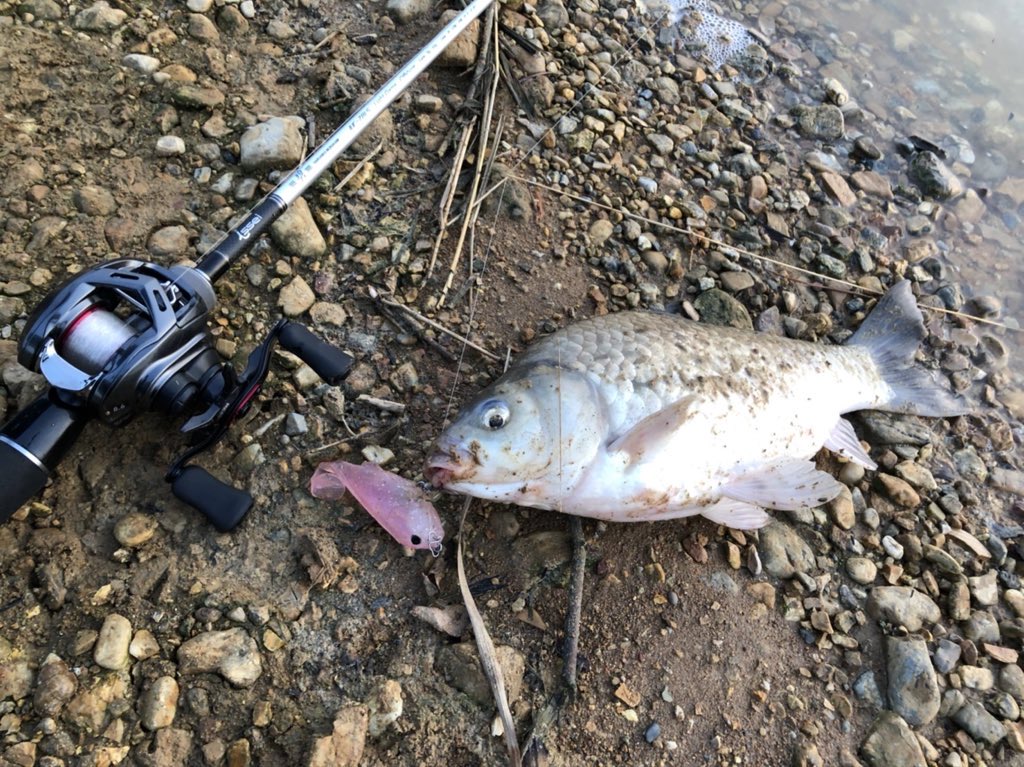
{"points": [[695, 24]]}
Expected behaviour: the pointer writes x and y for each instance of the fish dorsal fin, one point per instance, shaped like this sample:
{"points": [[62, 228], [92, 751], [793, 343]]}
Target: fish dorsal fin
{"points": [[650, 434], [787, 484], [738, 515], [843, 440]]}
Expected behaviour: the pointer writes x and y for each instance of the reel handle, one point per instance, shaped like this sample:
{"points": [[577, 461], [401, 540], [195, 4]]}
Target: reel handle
{"points": [[223, 505], [329, 362]]}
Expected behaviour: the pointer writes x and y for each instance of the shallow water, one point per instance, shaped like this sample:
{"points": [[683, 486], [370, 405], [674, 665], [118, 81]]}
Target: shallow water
{"points": [[949, 71]]}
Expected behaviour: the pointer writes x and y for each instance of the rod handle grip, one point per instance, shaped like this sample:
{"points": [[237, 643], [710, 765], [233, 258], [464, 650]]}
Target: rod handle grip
{"points": [[223, 505], [329, 362]]}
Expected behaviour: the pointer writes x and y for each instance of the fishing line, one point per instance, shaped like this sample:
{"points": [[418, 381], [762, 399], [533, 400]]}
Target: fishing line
{"points": [[853, 287]]}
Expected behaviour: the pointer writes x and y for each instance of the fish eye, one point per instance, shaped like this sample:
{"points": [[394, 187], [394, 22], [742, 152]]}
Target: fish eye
{"points": [[495, 415], [416, 540]]}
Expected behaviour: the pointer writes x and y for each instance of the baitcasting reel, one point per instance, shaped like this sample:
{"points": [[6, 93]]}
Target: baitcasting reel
{"points": [[130, 336], [127, 337]]}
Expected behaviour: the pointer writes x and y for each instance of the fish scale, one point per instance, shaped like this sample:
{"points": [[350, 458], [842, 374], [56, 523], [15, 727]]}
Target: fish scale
{"points": [[644, 415]]}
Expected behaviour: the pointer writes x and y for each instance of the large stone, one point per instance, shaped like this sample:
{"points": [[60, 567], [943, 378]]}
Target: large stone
{"points": [[716, 307], [111, 649], [824, 121], [902, 606], [297, 234], [296, 297], [159, 704], [891, 743], [913, 688], [276, 143], [94, 200], [232, 653], [784, 552], [980, 724], [404, 11], [462, 51]]}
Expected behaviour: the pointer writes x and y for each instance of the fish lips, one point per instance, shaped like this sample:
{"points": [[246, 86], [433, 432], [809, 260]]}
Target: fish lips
{"points": [[444, 467]]}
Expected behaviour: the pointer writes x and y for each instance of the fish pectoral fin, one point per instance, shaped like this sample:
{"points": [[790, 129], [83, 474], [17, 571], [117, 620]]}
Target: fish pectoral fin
{"points": [[650, 434], [786, 484], [844, 440], [738, 515]]}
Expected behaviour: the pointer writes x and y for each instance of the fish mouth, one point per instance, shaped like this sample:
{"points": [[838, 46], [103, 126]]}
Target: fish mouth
{"points": [[447, 466]]}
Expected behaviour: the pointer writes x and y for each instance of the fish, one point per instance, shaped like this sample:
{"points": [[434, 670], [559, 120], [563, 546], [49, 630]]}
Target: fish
{"points": [[399, 505], [641, 416]]}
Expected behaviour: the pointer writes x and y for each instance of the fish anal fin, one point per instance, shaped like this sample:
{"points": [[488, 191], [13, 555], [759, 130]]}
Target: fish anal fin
{"points": [[650, 434], [738, 515], [785, 484], [844, 440]]}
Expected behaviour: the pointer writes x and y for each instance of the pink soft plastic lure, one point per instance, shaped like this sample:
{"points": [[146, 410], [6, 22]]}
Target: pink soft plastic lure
{"points": [[398, 505]]}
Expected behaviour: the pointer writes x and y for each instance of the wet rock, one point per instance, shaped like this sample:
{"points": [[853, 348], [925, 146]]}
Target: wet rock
{"points": [[980, 724], [838, 189], [872, 183], [275, 143], [385, 706], [717, 307], [460, 665], [824, 121], [891, 743], [94, 201], [913, 689], [232, 653], [159, 704], [111, 648], [933, 177], [903, 606], [783, 552], [99, 17], [55, 686], [297, 234], [344, 746], [296, 297]]}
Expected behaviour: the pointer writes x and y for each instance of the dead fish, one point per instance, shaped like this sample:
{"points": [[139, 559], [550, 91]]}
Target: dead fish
{"points": [[398, 504], [644, 416]]}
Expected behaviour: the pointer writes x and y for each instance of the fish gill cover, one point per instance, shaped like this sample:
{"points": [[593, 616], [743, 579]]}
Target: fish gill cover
{"points": [[697, 27]]}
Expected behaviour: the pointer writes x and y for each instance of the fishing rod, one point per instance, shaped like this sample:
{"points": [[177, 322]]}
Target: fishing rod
{"points": [[129, 336]]}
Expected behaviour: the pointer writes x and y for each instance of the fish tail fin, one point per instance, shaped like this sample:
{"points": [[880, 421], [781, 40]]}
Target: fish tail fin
{"points": [[891, 334]]}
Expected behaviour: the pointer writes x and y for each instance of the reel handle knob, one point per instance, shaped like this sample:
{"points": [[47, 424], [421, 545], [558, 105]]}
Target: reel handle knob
{"points": [[329, 362], [222, 504]]}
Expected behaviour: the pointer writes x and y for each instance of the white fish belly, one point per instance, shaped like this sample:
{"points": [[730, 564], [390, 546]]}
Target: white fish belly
{"points": [[729, 434]]}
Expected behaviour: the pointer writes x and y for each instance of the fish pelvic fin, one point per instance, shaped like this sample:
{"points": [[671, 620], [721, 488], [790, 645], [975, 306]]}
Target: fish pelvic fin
{"points": [[891, 334], [785, 484], [650, 434], [843, 440], [736, 514]]}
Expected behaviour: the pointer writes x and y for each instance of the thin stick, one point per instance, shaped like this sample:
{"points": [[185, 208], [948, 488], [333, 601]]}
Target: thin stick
{"points": [[449, 192], [436, 325], [481, 154], [358, 166], [488, 655], [572, 616]]}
